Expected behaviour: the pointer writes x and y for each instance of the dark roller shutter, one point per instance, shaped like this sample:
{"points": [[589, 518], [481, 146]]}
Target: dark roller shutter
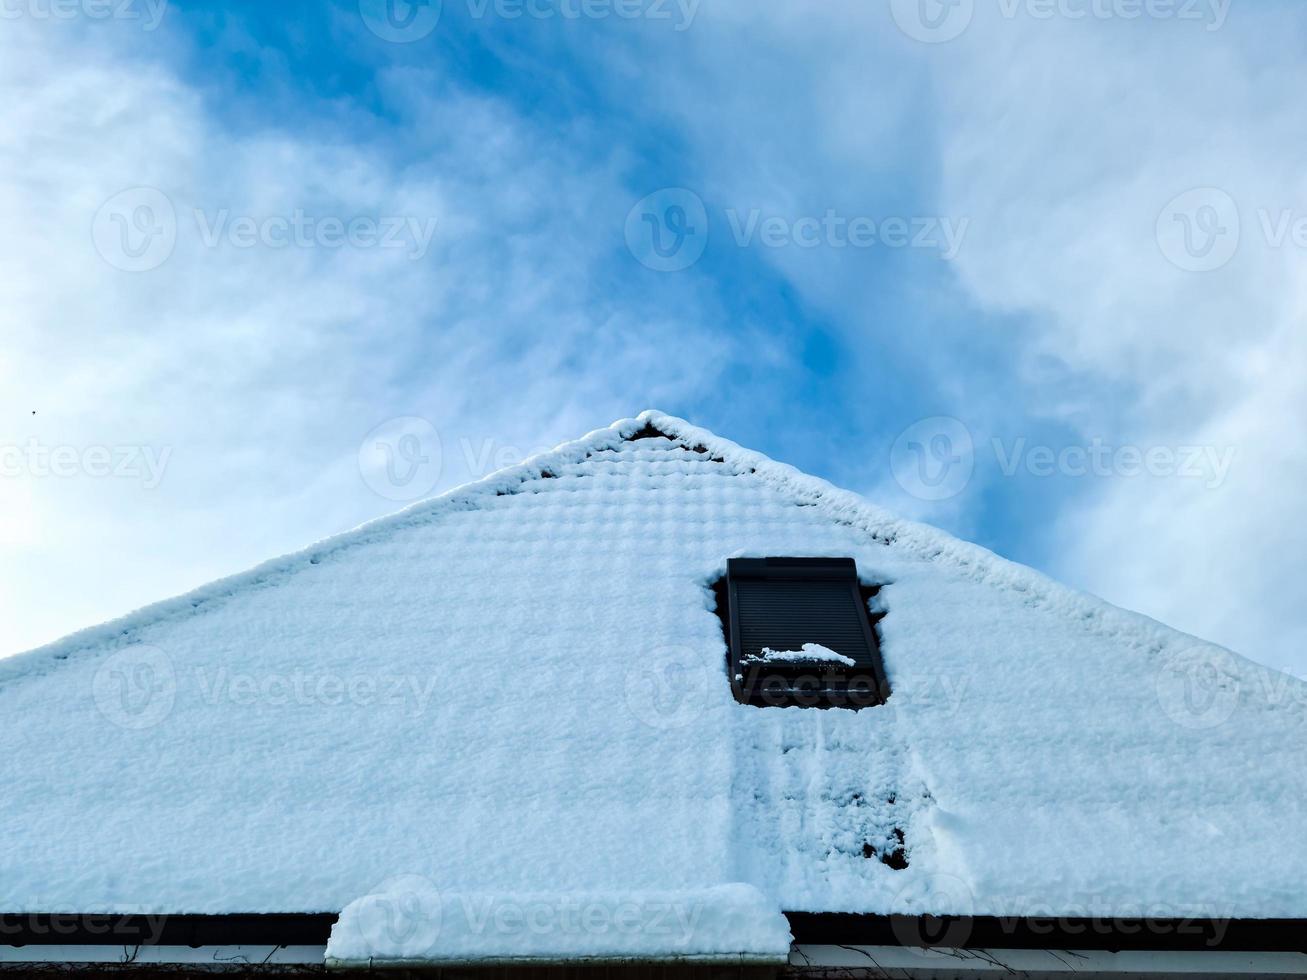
{"points": [[782, 604]]}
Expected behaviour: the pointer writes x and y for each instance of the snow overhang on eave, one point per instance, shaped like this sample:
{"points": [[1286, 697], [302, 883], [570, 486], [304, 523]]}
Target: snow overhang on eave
{"points": [[531, 962], [406, 924]]}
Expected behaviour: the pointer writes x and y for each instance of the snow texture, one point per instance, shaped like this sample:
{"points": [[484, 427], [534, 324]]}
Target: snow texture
{"points": [[520, 687], [812, 653], [410, 922]]}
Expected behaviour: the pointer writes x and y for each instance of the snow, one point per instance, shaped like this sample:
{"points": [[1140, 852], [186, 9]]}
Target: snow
{"points": [[411, 922], [812, 653], [520, 687]]}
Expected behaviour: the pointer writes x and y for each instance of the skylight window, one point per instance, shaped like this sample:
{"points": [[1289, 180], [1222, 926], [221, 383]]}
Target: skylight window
{"points": [[800, 634]]}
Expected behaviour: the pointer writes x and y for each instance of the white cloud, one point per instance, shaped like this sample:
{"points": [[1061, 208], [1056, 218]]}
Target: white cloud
{"points": [[1066, 141], [260, 368], [1062, 139]]}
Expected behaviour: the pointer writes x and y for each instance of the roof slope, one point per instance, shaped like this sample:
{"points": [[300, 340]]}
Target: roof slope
{"points": [[520, 686]]}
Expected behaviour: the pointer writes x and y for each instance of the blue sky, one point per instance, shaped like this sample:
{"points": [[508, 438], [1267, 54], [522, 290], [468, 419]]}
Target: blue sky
{"points": [[1120, 405]]}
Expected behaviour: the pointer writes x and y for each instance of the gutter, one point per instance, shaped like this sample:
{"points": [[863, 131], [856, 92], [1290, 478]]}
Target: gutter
{"points": [[547, 962], [808, 928], [822, 941], [843, 962]]}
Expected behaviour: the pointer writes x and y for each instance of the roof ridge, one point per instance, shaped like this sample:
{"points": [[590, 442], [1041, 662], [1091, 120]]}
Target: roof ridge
{"points": [[926, 542]]}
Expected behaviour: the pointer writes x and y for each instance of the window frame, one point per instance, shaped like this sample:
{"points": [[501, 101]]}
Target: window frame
{"points": [[828, 691]]}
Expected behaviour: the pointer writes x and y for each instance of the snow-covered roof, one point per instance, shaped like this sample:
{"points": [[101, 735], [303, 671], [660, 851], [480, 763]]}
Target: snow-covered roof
{"points": [[520, 687]]}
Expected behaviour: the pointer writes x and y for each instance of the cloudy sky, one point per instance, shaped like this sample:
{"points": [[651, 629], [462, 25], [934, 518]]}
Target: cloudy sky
{"points": [[1030, 270]]}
